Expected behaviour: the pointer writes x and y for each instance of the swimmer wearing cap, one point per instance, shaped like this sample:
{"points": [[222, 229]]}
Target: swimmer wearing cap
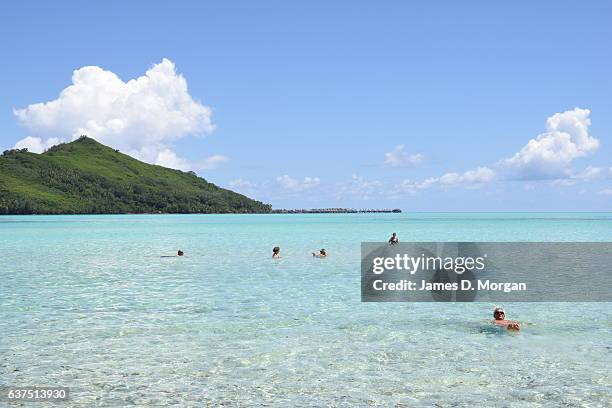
{"points": [[499, 318]]}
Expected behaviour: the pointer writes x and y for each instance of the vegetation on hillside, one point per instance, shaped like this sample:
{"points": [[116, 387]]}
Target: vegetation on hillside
{"points": [[86, 177]]}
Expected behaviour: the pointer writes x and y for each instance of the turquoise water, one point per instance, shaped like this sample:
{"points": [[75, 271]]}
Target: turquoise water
{"points": [[87, 302]]}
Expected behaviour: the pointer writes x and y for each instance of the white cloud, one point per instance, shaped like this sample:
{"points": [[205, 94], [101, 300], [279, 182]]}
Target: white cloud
{"points": [[470, 178], [398, 157], [141, 117], [606, 191], [36, 144], [590, 173], [289, 183], [480, 175], [360, 188], [549, 155], [212, 162], [168, 158]]}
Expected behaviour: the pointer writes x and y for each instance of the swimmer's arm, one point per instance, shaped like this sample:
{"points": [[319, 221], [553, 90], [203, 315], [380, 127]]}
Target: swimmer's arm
{"points": [[508, 324]]}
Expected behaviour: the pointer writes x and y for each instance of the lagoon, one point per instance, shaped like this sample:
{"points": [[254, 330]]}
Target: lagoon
{"points": [[88, 302]]}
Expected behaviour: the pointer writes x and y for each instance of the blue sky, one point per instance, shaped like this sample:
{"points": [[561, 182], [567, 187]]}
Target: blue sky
{"points": [[427, 106]]}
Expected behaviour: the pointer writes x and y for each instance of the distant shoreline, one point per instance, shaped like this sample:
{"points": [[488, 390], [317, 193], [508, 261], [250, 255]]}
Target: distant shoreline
{"points": [[279, 211], [334, 211]]}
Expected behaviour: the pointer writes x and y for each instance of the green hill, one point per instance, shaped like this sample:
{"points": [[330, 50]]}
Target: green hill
{"points": [[86, 177]]}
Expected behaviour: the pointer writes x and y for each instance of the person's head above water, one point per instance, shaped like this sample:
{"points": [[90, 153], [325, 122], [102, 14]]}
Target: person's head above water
{"points": [[499, 314], [322, 252], [276, 252], [180, 253]]}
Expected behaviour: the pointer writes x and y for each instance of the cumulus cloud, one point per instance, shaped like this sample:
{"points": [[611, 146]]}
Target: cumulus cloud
{"points": [[289, 183], [550, 154], [36, 144], [168, 158], [142, 117], [470, 178], [399, 158], [590, 173], [480, 175]]}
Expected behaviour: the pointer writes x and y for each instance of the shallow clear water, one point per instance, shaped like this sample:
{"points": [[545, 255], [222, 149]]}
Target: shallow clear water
{"points": [[87, 302]]}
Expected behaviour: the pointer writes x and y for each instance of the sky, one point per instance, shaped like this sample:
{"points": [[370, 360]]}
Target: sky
{"points": [[423, 106]]}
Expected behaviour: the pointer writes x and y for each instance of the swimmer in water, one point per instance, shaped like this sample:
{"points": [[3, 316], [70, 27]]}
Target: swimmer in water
{"points": [[499, 317], [322, 254], [394, 239], [179, 253], [276, 252]]}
